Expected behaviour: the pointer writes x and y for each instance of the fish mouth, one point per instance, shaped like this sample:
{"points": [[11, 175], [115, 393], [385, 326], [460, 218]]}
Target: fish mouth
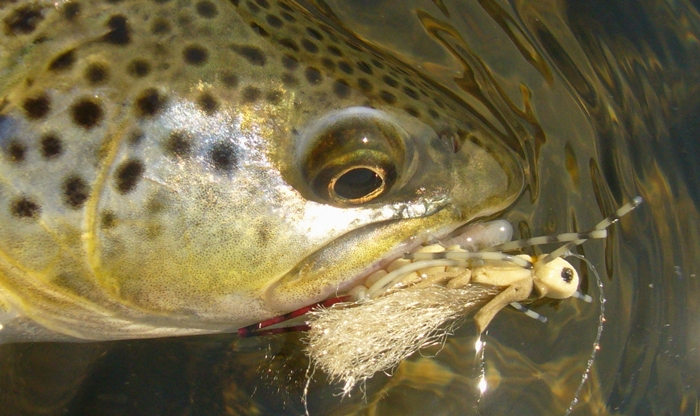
{"points": [[321, 275], [392, 272], [372, 282]]}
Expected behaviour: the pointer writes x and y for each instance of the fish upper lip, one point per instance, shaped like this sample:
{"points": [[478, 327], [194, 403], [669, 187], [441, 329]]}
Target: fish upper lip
{"points": [[381, 264]]}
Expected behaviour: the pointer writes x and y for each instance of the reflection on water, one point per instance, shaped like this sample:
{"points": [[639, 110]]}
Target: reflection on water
{"points": [[599, 98]]}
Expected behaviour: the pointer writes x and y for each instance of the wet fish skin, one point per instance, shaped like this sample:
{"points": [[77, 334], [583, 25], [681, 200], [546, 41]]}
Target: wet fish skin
{"points": [[159, 164]]}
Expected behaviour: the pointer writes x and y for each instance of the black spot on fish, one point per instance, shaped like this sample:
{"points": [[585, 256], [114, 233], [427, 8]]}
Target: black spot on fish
{"points": [[434, 114], [285, 6], [16, 151], [365, 86], [179, 144], [288, 17], [71, 10], [254, 55], [223, 157], [335, 51], [313, 75], [229, 79], [75, 191], [96, 73], [51, 146], [250, 95], [63, 61], [25, 208], [160, 27], [252, 7], [410, 92], [387, 97], [290, 62], [390, 81], [195, 55], [314, 33], [412, 111], [206, 9], [274, 21], [128, 175], [377, 64], [288, 43], [309, 46], [259, 30], [37, 107], [208, 104], [345, 67], [86, 113], [234, 2], [108, 220], [150, 103], [341, 88], [364, 67], [138, 68], [120, 32], [23, 20], [263, 3], [135, 137]]}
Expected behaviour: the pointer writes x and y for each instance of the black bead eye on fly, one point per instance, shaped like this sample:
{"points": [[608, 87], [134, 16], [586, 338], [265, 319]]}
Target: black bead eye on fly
{"points": [[567, 274], [353, 157]]}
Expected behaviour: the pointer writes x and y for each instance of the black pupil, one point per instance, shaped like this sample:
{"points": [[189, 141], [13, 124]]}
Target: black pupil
{"points": [[567, 274], [357, 183]]}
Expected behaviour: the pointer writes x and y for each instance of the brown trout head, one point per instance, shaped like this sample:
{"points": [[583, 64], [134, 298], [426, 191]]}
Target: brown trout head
{"points": [[172, 167]]}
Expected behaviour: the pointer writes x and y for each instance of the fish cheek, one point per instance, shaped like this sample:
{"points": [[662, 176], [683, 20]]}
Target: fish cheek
{"points": [[487, 178]]}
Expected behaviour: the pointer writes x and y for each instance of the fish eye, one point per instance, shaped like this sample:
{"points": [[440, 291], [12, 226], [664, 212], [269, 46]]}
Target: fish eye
{"points": [[358, 183], [567, 274], [353, 157]]}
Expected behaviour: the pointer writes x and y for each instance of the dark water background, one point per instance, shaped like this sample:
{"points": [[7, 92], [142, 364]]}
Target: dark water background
{"points": [[602, 100]]}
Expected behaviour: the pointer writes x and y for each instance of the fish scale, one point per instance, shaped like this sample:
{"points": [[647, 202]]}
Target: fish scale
{"points": [[152, 179]]}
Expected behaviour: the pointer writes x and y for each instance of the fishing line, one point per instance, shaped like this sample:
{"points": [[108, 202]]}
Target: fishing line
{"points": [[599, 333]]}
